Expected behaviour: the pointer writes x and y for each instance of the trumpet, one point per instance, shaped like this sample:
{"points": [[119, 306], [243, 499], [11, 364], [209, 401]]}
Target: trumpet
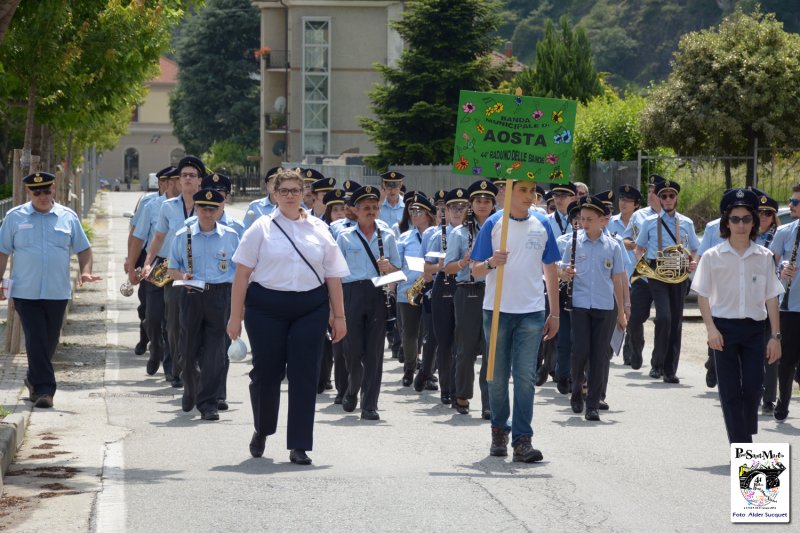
{"points": [[126, 289]]}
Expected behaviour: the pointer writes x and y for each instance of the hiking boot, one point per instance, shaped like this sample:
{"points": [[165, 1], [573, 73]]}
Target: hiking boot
{"points": [[499, 446], [525, 453]]}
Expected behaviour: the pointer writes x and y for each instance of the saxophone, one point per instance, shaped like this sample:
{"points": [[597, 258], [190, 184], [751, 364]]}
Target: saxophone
{"points": [[414, 293]]}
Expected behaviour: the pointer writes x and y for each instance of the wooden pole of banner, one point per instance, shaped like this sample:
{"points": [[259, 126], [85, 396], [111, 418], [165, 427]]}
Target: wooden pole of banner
{"points": [[498, 286]]}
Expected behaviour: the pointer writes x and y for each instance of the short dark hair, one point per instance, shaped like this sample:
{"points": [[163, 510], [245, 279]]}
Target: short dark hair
{"points": [[796, 187], [724, 223]]}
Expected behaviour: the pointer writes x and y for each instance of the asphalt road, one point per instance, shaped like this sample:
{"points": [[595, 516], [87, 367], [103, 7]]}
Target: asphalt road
{"points": [[658, 460]]}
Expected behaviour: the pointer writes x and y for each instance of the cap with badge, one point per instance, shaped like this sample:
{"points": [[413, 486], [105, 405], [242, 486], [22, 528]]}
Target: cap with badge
{"points": [[592, 202], [765, 201], [218, 182], [482, 189], [667, 185], [271, 173], [738, 198], [456, 195], [167, 172], [654, 179], [563, 188], [350, 187], [310, 175], [607, 197], [334, 197], [420, 201], [208, 198], [364, 193], [323, 185], [392, 177], [439, 196], [629, 192], [194, 162], [39, 180], [410, 194]]}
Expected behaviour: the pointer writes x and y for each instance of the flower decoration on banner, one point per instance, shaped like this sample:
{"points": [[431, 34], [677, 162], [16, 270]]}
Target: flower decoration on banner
{"points": [[531, 176], [536, 115], [516, 165], [465, 137], [480, 128], [556, 175], [562, 136], [477, 171], [262, 52], [469, 107], [462, 163], [551, 159], [558, 116], [498, 167]]}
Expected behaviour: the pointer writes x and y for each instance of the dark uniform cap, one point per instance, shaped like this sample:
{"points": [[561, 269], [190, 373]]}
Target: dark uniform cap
{"points": [[192, 161], [271, 172], [667, 185], [572, 210], [568, 188], [765, 201], [539, 190], [323, 185], [630, 192], [350, 186], [217, 181], [410, 194], [362, 193], [653, 179], [167, 172], [483, 188], [595, 203], [548, 196], [208, 198], [440, 195], [421, 201], [392, 177], [738, 197], [334, 197], [311, 175], [607, 197], [39, 180], [456, 195]]}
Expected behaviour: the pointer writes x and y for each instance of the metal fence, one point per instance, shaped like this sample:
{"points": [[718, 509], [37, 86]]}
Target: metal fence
{"points": [[5, 207]]}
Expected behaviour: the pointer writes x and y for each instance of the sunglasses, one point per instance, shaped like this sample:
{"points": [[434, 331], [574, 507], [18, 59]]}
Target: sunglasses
{"points": [[765, 213], [793, 202], [415, 212], [667, 196], [46, 192], [209, 207], [747, 219]]}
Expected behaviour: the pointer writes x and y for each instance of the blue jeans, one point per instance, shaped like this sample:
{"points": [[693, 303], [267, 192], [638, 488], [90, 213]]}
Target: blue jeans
{"points": [[518, 338]]}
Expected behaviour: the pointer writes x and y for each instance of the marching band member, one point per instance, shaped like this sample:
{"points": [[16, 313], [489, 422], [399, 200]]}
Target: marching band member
{"points": [[468, 300], [264, 206], [392, 205], [735, 318], [201, 251], [369, 251], [549, 202], [659, 231], [598, 278], [310, 176], [287, 288], [41, 236], [334, 206], [531, 255], [563, 373], [319, 188], [349, 219]]}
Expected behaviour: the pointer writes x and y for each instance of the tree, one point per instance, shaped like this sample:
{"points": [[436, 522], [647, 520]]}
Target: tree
{"points": [[729, 87], [217, 98], [563, 66], [448, 42]]}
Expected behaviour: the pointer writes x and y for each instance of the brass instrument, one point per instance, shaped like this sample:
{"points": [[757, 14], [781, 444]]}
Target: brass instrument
{"points": [[414, 293], [391, 310], [159, 275], [671, 263], [126, 289]]}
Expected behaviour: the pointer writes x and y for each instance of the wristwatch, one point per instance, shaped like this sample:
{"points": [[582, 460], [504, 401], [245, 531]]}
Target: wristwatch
{"points": [[488, 265], [776, 336]]}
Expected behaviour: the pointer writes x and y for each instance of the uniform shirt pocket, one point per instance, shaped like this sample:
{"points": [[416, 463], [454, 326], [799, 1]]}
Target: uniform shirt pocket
{"points": [[61, 237]]}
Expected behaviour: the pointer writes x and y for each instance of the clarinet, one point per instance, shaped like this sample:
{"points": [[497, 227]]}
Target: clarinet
{"points": [[785, 301], [772, 230], [445, 281], [386, 290], [470, 236], [189, 267], [568, 302]]}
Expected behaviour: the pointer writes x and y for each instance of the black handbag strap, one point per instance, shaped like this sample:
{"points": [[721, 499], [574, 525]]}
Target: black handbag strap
{"points": [[297, 250], [369, 252], [669, 231]]}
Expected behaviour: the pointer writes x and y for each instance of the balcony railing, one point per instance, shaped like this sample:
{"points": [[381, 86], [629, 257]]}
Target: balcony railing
{"points": [[277, 60], [275, 122]]}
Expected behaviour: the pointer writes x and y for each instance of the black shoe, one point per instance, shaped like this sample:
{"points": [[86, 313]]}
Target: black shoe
{"points": [[349, 403], [401, 358], [328, 385], [655, 373], [152, 365], [461, 408], [169, 377], [299, 457], [711, 378], [187, 402], [338, 399], [576, 401], [210, 415], [781, 412], [370, 414], [671, 379], [636, 361], [525, 453], [44, 401], [603, 406], [431, 385], [177, 383], [32, 396], [592, 415], [447, 399], [541, 376], [408, 378], [419, 382], [626, 360], [767, 408], [140, 348], [499, 447], [563, 385], [486, 414], [257, 445], [222, 405]]}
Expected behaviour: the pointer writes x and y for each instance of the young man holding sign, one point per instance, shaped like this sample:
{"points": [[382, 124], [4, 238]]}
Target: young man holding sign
{"points": [[531, 252]]}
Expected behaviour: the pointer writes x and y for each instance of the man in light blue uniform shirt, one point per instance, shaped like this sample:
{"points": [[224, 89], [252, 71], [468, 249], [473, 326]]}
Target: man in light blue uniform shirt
{"points": [[393, 205], [668, 297], [42, 235], [263, 206], [222, 184], [204, 312], [562, 194]]}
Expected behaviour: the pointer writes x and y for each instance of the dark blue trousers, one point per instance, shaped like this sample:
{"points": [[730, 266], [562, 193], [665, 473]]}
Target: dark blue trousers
{"points": [[286, 330], [41, 323], [740, 375]]}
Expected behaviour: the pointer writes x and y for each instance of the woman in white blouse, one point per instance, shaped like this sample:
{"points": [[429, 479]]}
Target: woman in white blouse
{"points": [[288, 278]]}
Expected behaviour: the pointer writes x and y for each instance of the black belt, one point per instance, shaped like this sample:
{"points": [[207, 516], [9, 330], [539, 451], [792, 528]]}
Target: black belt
{"points": [[361, 282], [471, 283], [216, 286]]}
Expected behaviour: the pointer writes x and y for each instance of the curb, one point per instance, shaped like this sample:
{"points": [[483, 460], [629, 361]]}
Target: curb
{"points": [[12, 432]]}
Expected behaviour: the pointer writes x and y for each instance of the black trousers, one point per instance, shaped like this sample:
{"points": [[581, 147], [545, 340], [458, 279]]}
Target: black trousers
{"points": [[591, 335], [286, 330], [41, 323], [443, 324], [770, 393], [142, 307], [429, 344], [172, 316], [204, 316], [470, 342], [411, 318], [339, 368], [326, 366], [156, 324], [668, 299], [740, 375], [365, 310], [641, 300], [790, 357]]}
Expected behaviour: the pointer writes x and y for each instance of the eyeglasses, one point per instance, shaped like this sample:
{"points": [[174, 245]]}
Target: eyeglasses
{"points": [[46, 192], [192, 175], [292, 192], [668, 196], [457, 208], [794, 201], [747, 219], [562, 195], [392, 185], [415, 212]]}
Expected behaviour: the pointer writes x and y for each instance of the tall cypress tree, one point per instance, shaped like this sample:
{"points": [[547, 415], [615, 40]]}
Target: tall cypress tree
{"points": [[448, 42]]}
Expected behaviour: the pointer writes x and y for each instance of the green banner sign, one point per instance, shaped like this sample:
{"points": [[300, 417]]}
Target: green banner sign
{"points": [[514, 137]]}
